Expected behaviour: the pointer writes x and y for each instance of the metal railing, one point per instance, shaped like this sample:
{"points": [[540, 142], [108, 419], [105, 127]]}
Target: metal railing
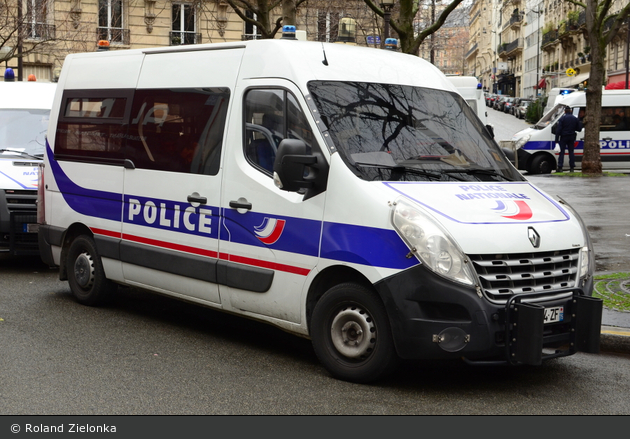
{"points": [[115, 35], [181, 38]]}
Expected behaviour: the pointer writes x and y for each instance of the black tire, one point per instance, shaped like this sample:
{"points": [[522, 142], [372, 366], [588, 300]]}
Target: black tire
{"points": [[343, 315], [541, 164], [85, 273]]}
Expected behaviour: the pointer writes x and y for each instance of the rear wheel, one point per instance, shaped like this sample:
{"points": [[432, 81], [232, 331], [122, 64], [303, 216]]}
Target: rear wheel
{"points": [[85, 273], [351, 334], [541, 164]]}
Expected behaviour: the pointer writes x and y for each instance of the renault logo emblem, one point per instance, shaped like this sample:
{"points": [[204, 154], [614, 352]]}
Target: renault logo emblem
{"points": [[533, 236]]}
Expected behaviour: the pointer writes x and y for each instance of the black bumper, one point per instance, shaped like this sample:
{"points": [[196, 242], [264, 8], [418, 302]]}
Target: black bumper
{"points": [[433, 318]]}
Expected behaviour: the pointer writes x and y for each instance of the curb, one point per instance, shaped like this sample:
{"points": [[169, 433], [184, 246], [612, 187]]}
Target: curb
{"points": [[614, 339]]}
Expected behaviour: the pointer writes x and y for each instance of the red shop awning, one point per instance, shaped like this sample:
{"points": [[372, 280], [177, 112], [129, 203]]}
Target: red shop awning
{"points": [[541, 84]]}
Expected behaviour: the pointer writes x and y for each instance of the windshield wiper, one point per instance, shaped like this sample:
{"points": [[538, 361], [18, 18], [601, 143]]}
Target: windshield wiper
{"points": [[401, 170], [22, 153], [477, 171]]}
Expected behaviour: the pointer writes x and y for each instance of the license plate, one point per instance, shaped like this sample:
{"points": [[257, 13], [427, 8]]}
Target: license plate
{"points": [[31, 228], [554, 315]]}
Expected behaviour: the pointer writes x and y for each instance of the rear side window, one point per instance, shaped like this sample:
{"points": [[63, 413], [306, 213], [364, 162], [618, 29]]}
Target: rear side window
{"points": [[615, 119], [93, 125], [178, 130]]}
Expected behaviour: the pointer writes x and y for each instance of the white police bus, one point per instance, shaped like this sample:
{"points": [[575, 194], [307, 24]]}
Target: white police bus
{"points": [[345, 194]]}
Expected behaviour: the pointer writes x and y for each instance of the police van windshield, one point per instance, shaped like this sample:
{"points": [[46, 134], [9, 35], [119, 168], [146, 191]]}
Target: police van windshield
{"points": [[549, 118], [23, 131], [404, 133]]}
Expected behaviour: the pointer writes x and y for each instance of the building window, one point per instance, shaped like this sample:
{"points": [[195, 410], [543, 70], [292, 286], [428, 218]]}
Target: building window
{"points": [[110, 21], [184, 25], [327, 26], [251, 30], [36, 20]]}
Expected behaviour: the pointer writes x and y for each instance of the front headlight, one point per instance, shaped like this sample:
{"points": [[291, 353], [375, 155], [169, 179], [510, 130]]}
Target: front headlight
{"points": [[522, 141], [431, 243], [587, 261]]}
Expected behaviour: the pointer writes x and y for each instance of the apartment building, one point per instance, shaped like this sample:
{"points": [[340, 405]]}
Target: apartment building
{"points": [[450, 43], [51, 29], [532, 46]]}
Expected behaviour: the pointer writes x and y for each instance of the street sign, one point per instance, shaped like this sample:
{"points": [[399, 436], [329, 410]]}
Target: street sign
{"points": [[571, 72]]}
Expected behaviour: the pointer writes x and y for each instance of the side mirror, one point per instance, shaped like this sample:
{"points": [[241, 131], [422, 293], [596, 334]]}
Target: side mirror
{"points": [[490, 130], [296, 169]]}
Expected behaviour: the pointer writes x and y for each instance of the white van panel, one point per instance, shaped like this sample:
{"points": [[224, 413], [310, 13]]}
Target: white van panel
{"points": [[120, 71], [201, 68]]}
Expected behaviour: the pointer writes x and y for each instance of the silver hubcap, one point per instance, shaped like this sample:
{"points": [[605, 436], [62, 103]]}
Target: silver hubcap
{"points": [[353, 333], [84, 270]]}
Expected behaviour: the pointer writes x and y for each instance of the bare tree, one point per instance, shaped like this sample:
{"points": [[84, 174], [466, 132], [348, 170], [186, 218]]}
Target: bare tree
{"points": [[601, 28], [259, 13], [28, 28], [407, 17]]}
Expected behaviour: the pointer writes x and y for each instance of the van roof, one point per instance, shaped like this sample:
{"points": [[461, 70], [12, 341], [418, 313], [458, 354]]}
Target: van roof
{"points": [[298, 61], [615, 97], [464, 81], [31, 95]]}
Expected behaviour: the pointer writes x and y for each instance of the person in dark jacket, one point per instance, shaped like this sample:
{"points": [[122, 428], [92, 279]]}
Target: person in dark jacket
{"points": [[566, 131]]}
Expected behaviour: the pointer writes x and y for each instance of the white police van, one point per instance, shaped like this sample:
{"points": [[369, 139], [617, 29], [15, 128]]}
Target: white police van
{"points": [[344, 194], [24, 112], [535, 145]]}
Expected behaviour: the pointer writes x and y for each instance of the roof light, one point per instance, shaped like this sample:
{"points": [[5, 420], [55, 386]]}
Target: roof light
{"points": [[9, 75], [32, 78], [102, 45], [479, 86], [288, 32], [391, 43]]}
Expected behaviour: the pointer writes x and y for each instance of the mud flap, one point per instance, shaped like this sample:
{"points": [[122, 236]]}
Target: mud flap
{"points": [[588, 323], [528, 344]]}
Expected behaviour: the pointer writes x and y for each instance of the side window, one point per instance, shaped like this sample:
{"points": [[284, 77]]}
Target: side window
{"points": [[92, 126], [615, 119], [272, 115], [179, 130]]}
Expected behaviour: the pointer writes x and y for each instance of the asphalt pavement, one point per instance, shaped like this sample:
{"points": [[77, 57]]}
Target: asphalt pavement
{"points": [[601, 202]]}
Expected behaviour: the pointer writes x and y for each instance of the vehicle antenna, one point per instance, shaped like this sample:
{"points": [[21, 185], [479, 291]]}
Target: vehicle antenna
{"points": [[324, 61]]}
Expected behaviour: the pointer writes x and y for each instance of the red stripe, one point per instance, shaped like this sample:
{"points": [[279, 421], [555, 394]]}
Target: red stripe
{"points": [[275, 234], [524, 211], [223, 256], [105, 232], [171, 246], [270, 265]]}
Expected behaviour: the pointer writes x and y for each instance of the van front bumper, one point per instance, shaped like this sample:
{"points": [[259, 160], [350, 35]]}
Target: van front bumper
{"points": [[433, 318]]}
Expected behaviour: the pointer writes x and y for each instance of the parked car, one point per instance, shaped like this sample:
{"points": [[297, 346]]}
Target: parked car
{"points": [[508, 104], [499, 102], [489, 99], [521, 110]]}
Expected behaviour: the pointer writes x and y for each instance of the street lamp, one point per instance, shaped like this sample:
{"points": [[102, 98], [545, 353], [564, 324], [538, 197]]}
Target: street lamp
{"points": [[387, 6]]}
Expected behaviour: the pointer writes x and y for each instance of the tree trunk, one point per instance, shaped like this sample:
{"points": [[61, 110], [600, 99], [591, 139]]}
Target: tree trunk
{"points": [[591, 160]]}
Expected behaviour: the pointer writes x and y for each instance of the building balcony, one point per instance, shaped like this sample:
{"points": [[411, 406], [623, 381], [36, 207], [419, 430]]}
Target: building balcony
{"points": [[472, 51], [178, 38], [39, 31], [549, 38], [115, 35], [514, 47], [515, 22]]}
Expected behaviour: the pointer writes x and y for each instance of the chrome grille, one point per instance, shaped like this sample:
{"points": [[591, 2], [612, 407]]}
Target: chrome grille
{"points": [[21, 200], [505, 275]]}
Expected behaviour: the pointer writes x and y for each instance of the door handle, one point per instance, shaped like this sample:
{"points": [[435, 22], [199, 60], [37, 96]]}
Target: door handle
{"points": [[241, 203], [606, 138], [196, 198]]}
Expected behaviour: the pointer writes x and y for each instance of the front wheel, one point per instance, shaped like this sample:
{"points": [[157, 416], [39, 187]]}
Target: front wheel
{"points": [[351, 334], [541, 164], [86, 275]]}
